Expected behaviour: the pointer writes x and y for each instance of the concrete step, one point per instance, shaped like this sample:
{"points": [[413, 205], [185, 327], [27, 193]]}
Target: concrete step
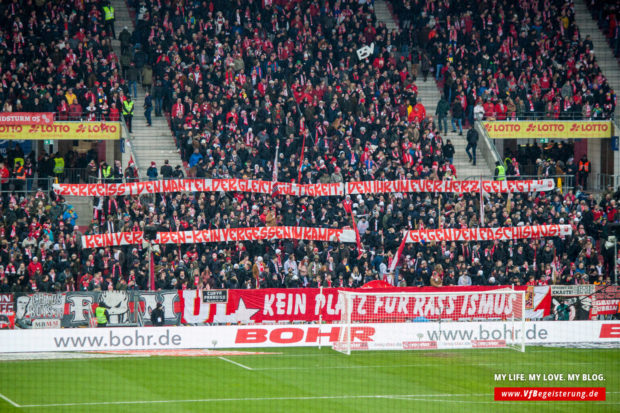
{"points": [[148, 156], [158, 125], [146, 146], [173, 156], [83, 207], [142, 130], [152, 139], [147, 133], [143, 143], [157, 122], [153, 143]]}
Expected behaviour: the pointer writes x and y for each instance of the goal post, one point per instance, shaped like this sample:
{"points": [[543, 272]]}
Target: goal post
{"points": [[431, 320]]}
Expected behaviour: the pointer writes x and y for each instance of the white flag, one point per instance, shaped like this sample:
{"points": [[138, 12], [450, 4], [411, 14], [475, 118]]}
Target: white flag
{"points": [[275, 165]]}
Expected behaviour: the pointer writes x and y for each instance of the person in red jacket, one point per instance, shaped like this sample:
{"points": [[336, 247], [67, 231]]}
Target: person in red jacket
{"points": [[489, 110], [115, 114], [34, 266], [500, 110], [4, 177]]}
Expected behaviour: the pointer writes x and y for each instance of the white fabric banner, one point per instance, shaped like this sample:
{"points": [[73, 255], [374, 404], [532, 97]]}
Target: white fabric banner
{"points": [[221, 235], [488, 234], [285, 188], [375, 187]]}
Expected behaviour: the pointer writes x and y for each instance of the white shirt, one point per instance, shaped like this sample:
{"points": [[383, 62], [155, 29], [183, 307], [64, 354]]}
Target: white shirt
{"points": [[478, 112], [290, 264]]}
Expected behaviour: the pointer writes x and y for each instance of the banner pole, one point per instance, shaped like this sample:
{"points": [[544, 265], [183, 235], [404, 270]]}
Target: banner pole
{"points": [[301, 159], [481, 204], [320, 316]]}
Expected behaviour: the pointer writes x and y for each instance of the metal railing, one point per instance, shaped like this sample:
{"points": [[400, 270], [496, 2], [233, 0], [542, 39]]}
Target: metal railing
{"points": [[603, 181], [26, 186], [517, 116], [97, 180], [74, 176], [127, 141], [82, 116], [486, 146]]}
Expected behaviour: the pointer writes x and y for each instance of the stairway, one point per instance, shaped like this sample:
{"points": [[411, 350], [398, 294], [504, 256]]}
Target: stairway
{"points": [[154, 143], [384, 15], [428, 95]]}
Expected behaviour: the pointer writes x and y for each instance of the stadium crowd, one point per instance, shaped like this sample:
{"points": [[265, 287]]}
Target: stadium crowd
{"points": [[57, 57], [507, 60], [40, 248], [239, 81]]}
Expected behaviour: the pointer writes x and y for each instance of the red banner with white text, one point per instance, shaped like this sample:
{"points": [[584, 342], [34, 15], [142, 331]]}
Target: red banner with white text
{"points": [[26, 118], [285, 188], [606, 300], [221, 235], [310, 304], [488, 234]]}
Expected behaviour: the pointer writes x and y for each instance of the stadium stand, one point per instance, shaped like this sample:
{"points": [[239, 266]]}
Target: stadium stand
{"points": [[57, 57], [523, 60], [238, 82], [40, 228]]}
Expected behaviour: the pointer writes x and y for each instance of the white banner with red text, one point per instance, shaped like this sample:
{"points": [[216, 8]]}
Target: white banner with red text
{"points": [[215, 338], [285, 188], [488, 234], [221, 235], [200, 185], [376, 187]]}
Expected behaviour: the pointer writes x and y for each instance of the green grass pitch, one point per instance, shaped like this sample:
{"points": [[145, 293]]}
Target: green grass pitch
{"points": [[304, 380]]}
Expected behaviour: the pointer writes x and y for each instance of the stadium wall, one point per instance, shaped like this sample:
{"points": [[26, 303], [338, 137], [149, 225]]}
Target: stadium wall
{"points": [[417, 335]]}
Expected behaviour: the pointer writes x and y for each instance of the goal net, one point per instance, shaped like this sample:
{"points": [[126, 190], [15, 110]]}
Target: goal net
{"points": [[426, 321]]}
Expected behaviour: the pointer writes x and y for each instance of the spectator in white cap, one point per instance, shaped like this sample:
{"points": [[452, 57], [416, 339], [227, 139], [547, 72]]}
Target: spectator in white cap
{"points": [[258, 269]]}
